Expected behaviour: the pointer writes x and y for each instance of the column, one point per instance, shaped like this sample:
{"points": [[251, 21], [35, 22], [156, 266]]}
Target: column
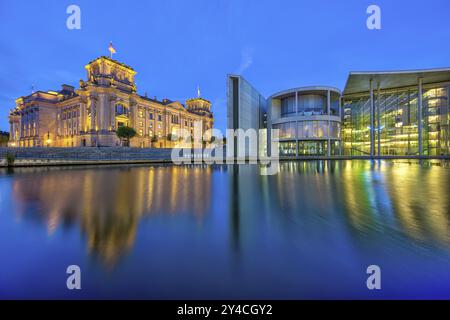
{"points": [[135, 115], [269, 128], [296, 124], [419, 118], [145, 130], [106, 113], [101, 111], [372, 124], [91, 106], [82, 121], [341, 128], [447, 142], [38, 124], [112, 112], [378, 119], [20, 127], [296, 137], [329, 122]]}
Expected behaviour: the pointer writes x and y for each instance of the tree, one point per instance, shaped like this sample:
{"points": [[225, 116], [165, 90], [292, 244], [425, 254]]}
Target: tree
{"points": [[154, 141], [126, 134], [4, 138]]}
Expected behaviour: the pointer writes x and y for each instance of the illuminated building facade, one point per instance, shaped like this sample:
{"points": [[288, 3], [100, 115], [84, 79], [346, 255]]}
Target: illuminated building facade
{"points": [[404, 113], [308, 120], [91, 114], [397, 113]]}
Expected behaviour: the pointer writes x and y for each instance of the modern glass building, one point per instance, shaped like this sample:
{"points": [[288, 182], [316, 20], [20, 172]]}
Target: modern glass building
{"points": [[397, 113], [402, 113], [308, 120]]}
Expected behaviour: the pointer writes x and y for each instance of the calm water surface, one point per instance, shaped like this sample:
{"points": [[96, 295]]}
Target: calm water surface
{"points": [[204, 232]]}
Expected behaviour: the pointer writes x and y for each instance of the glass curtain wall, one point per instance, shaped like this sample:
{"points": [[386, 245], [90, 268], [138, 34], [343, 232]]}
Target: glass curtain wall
{"points": [[312, 148], [287, 130], [436, 121], [288, 107], [399, 127], [288, 149], [312, 104], [398, 123], [356, 126]]}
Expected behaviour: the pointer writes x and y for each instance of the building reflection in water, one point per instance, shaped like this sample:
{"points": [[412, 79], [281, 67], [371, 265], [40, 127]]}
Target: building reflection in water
{"points": [[406, 198], [307, 202], [108, 203], [399, 195]]}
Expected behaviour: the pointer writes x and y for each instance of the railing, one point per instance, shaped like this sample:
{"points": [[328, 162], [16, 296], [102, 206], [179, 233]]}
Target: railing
{"points": [[308, 114]]}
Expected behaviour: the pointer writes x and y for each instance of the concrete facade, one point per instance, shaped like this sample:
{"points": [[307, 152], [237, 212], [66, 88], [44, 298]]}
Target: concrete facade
{"points": [[246, 109], [308, 120]]}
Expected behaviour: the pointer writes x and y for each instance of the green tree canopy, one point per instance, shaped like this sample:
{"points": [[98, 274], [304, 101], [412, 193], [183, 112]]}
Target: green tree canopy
{"points": [[126, 133]]}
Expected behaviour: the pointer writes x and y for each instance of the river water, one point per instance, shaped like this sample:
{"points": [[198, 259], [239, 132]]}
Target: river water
{"points": [[210, 232]]}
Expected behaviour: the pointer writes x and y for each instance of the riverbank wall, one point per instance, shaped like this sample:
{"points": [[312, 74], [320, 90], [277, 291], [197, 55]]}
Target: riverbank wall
{"points": [[121, 155], [74, 156]]}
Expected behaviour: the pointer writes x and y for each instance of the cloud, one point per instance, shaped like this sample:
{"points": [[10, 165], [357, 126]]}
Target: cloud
{"points": [[246, 60]]}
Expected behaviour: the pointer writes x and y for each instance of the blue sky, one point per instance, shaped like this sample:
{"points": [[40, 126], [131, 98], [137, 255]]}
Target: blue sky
{"points": [[176, 45]]}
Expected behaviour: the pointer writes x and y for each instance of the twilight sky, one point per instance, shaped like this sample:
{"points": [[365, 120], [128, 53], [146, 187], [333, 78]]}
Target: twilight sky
{"points": [[176, 45]]}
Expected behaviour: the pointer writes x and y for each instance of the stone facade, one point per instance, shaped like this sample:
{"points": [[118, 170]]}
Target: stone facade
{"points": [[108, 99]]}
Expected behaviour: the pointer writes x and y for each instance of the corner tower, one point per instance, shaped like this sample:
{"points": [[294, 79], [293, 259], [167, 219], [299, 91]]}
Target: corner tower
{"points": [[199, 105]]}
